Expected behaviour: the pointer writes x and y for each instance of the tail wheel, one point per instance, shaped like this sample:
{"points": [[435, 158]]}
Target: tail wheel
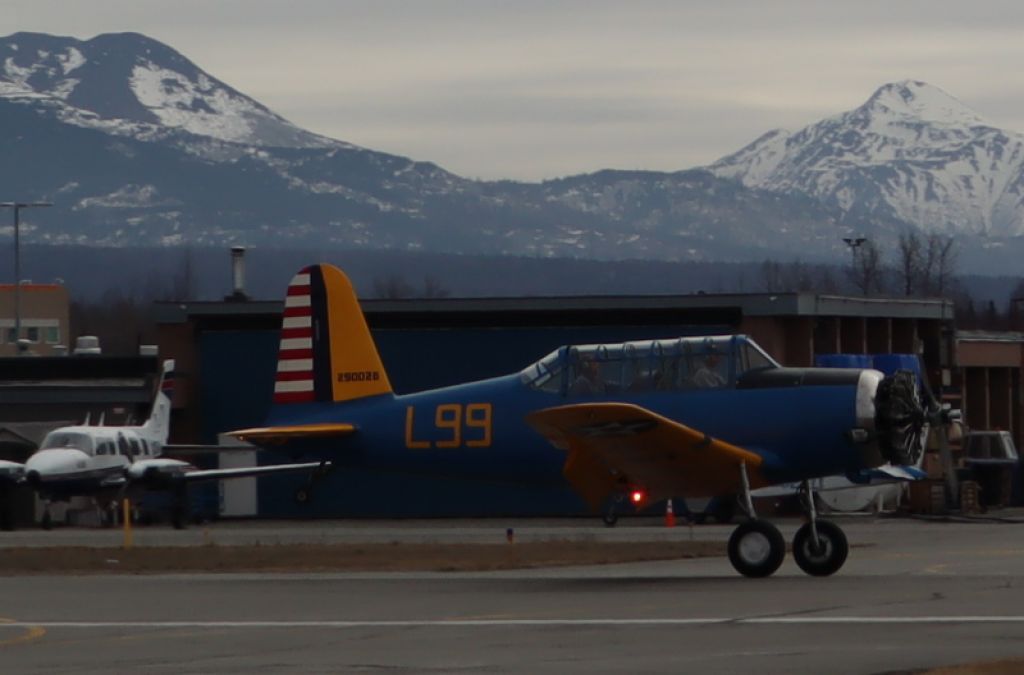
{"points": [[826, 558], [756, 548]]}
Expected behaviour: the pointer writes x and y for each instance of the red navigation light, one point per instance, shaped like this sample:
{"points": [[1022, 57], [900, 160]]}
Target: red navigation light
{"points": [[637, 496]]}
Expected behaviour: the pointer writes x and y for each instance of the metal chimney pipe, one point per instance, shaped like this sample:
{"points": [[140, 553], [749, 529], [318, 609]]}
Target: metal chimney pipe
{"points": [[238, 271]]}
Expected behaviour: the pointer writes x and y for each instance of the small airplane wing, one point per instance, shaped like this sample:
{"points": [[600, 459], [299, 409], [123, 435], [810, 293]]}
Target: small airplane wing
{"points": [[893, 473], [283, 434], [163, 472], [612, 445], [11, 472], [243, 472], [879, 476]]}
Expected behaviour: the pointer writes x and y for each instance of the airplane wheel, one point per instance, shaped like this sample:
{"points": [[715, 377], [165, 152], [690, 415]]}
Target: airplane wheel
{"points": [[756, 548], [47, 522], [610, 518], [831, 554], [302, 495], [178, 521]]}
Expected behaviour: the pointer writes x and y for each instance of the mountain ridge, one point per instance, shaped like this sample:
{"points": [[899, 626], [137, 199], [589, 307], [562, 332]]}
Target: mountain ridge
{"points": [[136, 145]]}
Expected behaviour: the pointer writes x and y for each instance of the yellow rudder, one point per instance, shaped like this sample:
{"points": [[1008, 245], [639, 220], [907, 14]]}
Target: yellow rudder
{"points": [[327, 352]]}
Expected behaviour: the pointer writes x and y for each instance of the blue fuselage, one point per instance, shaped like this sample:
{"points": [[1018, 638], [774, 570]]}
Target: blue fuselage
{"points": [[477, 430]]}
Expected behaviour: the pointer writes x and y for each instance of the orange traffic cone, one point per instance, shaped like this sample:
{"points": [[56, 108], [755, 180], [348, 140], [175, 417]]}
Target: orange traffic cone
{"points": [[670, 517]]}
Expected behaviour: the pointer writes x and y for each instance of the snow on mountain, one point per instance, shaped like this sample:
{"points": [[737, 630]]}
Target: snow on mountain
{"points": [[131, 85], [135, 144], [912, 154]]}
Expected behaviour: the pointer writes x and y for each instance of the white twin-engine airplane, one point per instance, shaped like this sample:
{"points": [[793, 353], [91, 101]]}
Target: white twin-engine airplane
{"points": [[108, 463]]}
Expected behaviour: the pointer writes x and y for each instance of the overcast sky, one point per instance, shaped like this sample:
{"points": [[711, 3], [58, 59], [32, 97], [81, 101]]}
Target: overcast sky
{"points": [[531, 90]]}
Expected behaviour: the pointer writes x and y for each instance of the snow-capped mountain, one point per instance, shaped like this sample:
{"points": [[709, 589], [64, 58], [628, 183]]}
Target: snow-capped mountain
{"points": [[912, 154], [136, 145], [131, 85]]}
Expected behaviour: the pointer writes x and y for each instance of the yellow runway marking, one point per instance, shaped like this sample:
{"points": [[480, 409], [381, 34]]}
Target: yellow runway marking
{"points": [[31, 633]]}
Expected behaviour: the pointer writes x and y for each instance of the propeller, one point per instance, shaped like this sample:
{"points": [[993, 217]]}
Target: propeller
{"points": [[904, 420], [941, 417], [901, 418]]}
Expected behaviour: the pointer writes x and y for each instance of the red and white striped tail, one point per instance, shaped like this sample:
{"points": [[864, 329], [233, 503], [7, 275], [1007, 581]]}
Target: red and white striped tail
{"points": [[327, 353], [294, 381]]}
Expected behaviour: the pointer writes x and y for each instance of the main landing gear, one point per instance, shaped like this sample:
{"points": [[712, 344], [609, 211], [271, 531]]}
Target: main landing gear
{"points": [[305, 493], [756, 547]]}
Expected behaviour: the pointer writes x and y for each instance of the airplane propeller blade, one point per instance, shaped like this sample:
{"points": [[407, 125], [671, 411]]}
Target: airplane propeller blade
{"points": [[940, 418]]}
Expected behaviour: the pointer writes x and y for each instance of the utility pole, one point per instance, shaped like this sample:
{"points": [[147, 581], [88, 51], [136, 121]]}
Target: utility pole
{"points": [[18, 206]]}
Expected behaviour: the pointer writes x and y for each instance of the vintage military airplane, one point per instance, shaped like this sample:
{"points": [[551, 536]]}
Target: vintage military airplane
{"points": [[108, 462], [646, 420]]}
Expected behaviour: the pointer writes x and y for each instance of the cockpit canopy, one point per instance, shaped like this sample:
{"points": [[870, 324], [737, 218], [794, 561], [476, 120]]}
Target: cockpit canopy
{"points": [[650, 365], [68, 439]]}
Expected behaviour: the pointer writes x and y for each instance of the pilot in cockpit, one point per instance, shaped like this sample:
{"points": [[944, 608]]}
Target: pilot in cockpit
{"points": [[588, 378], [708, 374]]}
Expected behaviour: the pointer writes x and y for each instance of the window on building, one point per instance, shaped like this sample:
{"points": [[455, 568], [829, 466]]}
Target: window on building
{"points": [[52, 335], [32, 333], [10, 336]]}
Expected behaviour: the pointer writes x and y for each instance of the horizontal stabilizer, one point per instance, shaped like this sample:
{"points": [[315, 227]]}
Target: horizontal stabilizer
{"points": [[283, 434]]}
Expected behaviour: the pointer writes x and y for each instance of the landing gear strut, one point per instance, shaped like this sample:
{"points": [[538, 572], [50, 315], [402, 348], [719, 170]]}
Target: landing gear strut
{"points": [[819, 546], [305, 493], [756, 547]]}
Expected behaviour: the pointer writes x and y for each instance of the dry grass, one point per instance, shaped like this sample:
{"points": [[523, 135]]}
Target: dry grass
{"points": [[1001, 667], [342, 557]]}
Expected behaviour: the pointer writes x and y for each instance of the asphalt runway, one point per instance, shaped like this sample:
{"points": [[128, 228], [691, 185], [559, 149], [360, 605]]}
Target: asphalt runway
{"points": [[912, 595]]}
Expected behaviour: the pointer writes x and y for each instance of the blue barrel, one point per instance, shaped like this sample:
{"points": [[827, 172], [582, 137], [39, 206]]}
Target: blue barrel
{"points": [[843, 361], [890, 363]]}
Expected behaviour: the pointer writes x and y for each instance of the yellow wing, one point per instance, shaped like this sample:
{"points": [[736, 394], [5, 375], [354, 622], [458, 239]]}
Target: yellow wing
{"points": [[273, 435], [614, 445]]}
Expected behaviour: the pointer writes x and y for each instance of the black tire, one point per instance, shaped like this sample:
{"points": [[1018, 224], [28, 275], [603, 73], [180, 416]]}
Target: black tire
{"points": [[302, 495], [610, 518], [832, 555], [756, 548]]}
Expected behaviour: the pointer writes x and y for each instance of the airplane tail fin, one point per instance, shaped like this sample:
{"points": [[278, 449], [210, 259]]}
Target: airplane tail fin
{"points": [[159, 422], [327, 353]]}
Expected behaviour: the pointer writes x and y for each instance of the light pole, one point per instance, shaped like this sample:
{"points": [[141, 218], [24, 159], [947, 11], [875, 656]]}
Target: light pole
{"points": [[18, 206], [854, 243]]}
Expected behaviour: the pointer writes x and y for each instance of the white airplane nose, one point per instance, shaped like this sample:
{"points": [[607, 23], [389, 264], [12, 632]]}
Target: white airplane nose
{"points": [[54, 464]]}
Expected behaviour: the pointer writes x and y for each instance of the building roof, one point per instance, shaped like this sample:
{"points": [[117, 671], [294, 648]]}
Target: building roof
{"points": [[717, 307]]}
